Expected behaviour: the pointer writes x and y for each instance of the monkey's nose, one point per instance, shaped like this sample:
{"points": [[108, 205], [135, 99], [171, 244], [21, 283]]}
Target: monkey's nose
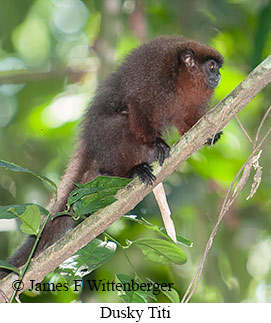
{"points": [[214, 80]]}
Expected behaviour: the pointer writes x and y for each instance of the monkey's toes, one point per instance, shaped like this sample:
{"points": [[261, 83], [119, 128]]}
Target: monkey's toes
{"points": [[144, 173], [211, 141]]}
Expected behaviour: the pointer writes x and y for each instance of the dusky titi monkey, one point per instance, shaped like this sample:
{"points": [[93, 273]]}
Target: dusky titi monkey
{"points": [[167, 81]]}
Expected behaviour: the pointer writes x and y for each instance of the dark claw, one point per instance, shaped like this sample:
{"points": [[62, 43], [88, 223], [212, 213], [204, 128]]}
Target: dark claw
{"points": [[144, 172], [211, 141], [162, 150]]}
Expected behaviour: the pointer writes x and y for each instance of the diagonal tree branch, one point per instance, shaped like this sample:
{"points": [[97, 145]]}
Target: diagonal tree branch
{"points": [[128, 198]]}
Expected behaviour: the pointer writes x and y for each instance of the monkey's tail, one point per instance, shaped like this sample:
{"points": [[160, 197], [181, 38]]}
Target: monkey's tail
{"points": [[53, 231], [56, 228]]}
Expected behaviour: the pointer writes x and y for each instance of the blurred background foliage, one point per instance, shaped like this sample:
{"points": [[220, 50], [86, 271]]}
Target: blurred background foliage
{"points": [[54, 54]]}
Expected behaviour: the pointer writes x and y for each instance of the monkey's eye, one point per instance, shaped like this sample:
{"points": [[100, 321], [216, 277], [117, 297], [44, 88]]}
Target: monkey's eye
{"points": [[211, 65]]}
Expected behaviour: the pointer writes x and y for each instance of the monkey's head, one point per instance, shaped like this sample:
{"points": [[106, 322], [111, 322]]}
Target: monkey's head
{"points": [[204, 61]]}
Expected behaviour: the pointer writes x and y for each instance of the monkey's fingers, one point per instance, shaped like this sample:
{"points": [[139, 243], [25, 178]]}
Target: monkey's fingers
{"points": [[144, 172], [162, 150]]}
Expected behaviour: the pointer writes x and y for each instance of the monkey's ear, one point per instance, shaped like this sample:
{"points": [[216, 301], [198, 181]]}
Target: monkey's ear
{"points": [[187, 57]]}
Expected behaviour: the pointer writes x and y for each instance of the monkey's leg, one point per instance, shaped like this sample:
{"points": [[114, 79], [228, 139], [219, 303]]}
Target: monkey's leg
{"points": [[144, 172], [162, 150], [211, 141]]}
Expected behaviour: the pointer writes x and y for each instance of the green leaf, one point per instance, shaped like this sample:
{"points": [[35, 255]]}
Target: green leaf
{"points": [[180, 239], [161, 230], [15, 168], [18, 210], [8, 266], [95, 195], [171, 293], [135, 295], [90, 204], [78, 193], [31, 219], [161, 251], [107, 182], [87, 259]]}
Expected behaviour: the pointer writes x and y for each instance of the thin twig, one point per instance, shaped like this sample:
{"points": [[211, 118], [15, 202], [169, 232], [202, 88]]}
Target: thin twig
{"points": [[26, 265], [225, 207], [241, 126], [261, 125]]}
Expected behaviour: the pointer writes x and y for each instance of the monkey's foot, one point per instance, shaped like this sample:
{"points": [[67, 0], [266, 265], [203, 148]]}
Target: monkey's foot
{"points": [[162, 150], [144, 172], [211, 141]]}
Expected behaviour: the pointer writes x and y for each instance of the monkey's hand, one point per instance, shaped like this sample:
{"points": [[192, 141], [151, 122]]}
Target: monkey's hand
{"points": [[162, 150], [211, 141], [144, 172]]}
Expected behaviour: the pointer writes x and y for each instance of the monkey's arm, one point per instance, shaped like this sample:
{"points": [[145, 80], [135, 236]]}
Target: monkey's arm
{"points": [[140, 123], [142, 127]]}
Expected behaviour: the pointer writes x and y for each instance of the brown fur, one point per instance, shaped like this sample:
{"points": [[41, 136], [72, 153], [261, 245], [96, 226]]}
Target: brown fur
{"points": [[152, 89]]}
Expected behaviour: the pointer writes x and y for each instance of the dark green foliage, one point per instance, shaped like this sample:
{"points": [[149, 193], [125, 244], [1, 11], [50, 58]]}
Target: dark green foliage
{"points": [[6, 265], [17, 210], [134, 295], [95, 195], [87, 259], [161, 251]]}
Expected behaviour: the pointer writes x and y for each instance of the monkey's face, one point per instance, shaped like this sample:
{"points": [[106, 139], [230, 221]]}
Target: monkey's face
{"points": [[205, 67], [212, 73]]}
